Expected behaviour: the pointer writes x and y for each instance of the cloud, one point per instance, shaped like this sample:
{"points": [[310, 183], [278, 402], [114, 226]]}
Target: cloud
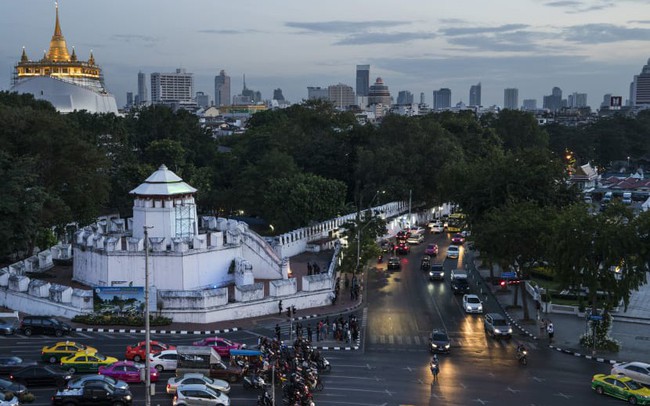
{"points": [[603, 33], [344, 27], [491, 43], [226, 32], [366, 38], [575, 6], [135, 38], [639, 22], [482, 30], [565, 3]]}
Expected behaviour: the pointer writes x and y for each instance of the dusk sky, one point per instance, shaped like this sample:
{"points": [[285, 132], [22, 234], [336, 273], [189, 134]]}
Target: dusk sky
{"points": [[586, 46]]}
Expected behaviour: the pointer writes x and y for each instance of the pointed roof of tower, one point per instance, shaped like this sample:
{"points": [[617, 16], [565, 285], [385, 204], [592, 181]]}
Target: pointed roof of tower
{"points": [[23, 57], [58, 47], [163, 182]]}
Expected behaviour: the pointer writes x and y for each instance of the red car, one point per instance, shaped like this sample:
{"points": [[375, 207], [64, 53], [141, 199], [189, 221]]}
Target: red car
{"points": [[457, 239], [127, 371], [432, 249], [136, 352], [221, 345]]}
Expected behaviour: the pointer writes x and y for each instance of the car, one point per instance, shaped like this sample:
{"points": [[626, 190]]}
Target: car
{"points": [[221, 345], [458, 239], [621, 387], [436, 227], [415, 239], [416, 230], [128, 371], [39, 375], [190, 395], [9, 364], [80, 382], [453, 251], [439, 341], [402, 249], [8, 325], [495, 325], [639, 371], [437, 272], [7, 399], [394, 263], [166, 360], [431, 250], [197, 379], [386, 246], [136, 352], [401, 237], [472, 304], [43, 325], [458, 274], [55, 352], [13, 387], [459, 286], [86, 362]]}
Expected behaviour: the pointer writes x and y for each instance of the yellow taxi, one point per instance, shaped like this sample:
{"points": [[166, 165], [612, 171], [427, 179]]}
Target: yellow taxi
{"points": [[54, 353], [621, 387], [86, 362]]}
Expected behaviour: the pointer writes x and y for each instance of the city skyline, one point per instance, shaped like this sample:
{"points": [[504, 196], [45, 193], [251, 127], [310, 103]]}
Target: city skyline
{"points": [[419, 47]]}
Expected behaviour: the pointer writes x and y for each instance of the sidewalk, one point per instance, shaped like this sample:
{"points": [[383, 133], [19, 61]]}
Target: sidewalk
{"points": [[629, 328]]}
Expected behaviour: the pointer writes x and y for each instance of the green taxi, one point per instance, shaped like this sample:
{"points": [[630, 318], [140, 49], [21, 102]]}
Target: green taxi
{"points": [[621, 387], [54, 353], [86, 362]]}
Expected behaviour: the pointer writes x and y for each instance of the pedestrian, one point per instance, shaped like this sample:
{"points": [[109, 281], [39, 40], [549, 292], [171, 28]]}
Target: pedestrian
{"points": [[319, 330], [310, 269], [316, 268], [277, 331], [309, 333], [280, 308], [542, 327], [326, 325], [550, 330]]}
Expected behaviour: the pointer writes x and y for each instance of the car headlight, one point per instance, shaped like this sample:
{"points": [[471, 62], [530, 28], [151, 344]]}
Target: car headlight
{"points": [[434, 345], [509, 330], [496, 330], [127, 397], [430, 273], [480, 307], [446, 345], [469, 308]]}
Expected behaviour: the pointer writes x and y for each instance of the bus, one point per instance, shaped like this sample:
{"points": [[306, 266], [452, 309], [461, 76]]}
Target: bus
{"points": [[456, 222]]}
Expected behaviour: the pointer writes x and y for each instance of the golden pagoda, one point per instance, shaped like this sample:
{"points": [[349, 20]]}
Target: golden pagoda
{"points": [[59, 63]]}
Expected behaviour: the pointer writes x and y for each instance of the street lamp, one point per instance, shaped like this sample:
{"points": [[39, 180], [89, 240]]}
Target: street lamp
{"points": [[147, 334]]}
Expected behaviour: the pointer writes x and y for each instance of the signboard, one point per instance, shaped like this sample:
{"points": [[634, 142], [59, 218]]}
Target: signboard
{"points": [[596, 317], [615, 102], [118, 300], [508, 275]]}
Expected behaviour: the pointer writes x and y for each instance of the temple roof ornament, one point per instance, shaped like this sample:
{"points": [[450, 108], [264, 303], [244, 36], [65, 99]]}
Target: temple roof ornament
{"points": [[58, 48]]}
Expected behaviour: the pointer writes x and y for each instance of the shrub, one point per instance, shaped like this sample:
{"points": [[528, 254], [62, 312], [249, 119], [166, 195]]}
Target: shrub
{"points": [[27, 397], [542, 272], [115, 320], [603, 340]]}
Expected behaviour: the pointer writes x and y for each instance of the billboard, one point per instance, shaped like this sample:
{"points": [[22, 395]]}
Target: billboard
{"points": [[116, 300], [615, 102]]}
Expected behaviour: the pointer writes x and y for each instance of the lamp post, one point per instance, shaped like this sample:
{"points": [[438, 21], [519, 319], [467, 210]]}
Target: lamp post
{"points": [[147, 334]]}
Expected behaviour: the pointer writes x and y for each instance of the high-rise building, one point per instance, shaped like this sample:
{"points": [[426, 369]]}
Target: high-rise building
{"points": [[254, 95], [553, 102], [277, 95], [404, 97], [171, 88], [202, 99], [442, 99], [475, 95], [342, 96], [363, 80], [640, 88], [222, 89], [129, 99], [577, 100], [422, 99], [317, 93], [530, 104], [511, 98], [379, 93], [607, 98], [142, 88]]}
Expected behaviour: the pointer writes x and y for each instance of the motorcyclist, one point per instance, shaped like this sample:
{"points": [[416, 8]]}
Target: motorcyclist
{"points": [[521, 351], [435, 366]]}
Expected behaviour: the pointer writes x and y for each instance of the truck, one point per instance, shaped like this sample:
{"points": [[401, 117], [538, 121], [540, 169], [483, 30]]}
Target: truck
{"points": [[205, 360], [92, 394]]}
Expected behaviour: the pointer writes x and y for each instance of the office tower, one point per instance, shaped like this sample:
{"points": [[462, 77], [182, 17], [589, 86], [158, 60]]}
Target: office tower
{"points": [[222, 89], [553, 102], [317, 93], [442, 99], [475, 95], [169, 88], [142, 88], [530, 104], [363, 81], [422, 100], [511, 98], [129, 99], [379, 93], [277, 95], [253, 95], [607, 98], [404, 97], [577, 100], [202, 99], [640, 87], [341, 96]]}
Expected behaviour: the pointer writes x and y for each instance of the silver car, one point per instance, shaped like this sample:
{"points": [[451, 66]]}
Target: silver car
{"points": [[638, 371], [166, 360], [194, 378], [80, 382], [9, 325], [199, 395]]}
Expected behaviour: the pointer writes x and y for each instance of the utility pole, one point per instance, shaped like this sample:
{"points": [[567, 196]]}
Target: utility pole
{"points": [[410, 196], [147, 333]]}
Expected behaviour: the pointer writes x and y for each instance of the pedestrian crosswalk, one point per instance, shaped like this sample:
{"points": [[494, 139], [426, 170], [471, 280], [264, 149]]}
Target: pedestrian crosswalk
{"points": [[457, 340]]}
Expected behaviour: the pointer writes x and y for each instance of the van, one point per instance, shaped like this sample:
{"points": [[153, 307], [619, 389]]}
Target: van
{"points": [[627, 198], [205, 360], [607, 197]]}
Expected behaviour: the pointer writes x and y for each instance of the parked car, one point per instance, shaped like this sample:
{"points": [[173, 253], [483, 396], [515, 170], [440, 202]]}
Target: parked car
{"points": [[165, 360], [136, 352], [621, 387], [453, 251], [197, 379], [190, 395], [55, 352], [43, 325], [437, 272], [639, 371], [128, 371], [393, 263], [472, 304], [221, 345], [80, 382], [39, 375], [431, 250], [439, 341], [495, 325]]}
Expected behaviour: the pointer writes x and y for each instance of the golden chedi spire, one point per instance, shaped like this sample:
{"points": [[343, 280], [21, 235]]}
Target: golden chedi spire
{"points": [[23, 57], [91, 60], [58, 48]]}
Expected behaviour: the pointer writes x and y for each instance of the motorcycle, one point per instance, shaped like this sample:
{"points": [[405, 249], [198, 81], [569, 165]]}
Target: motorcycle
{"points": [[324, 365], [264, 400], [522, 356], [380, 259], [254, 382]]}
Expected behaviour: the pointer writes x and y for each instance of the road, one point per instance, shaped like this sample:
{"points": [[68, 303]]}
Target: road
{"points": [[391, 368]]}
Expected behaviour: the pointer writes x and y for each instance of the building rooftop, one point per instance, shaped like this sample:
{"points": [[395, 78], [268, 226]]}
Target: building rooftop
{"points": [[163, 182]]}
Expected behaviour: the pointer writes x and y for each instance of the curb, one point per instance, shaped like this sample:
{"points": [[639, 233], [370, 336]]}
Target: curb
{"points": [[142, 331], [579, 355], [516, 324], [314, 316]]}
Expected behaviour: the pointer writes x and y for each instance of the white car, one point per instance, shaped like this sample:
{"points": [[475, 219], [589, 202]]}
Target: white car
{"points": [[165, 360], [436, 227], [194, 378], [453, 251], [415, 239], [190, 395], [638, 371], [472, 304]]}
